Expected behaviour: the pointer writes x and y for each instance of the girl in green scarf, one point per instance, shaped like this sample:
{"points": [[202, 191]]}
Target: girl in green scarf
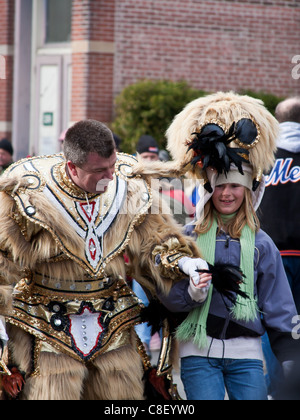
{"points": [[220, 339], [228, 141]]}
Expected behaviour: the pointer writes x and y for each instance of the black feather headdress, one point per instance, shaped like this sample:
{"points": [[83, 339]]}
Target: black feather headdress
{"points": [[211, 145]]}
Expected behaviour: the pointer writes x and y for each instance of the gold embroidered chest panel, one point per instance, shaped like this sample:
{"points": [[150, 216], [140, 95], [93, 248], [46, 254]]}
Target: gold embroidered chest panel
{"points": [[93, 218]]}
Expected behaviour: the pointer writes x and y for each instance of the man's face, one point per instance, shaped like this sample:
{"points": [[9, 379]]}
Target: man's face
{"points": [[95, 175], [5, 158], [149, 156]]}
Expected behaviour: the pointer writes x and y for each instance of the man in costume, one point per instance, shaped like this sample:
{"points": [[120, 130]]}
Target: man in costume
{"points": [[67, 221]]}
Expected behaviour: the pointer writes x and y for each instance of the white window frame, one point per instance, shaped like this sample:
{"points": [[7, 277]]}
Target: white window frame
{"points": [[59, 54]]}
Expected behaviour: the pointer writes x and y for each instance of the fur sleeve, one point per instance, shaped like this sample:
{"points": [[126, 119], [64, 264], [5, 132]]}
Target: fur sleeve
{"points": [[155, 248], [10, 239]]}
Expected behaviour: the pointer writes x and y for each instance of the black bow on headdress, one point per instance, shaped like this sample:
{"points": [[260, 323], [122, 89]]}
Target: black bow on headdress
{"points": [[211, 145]]}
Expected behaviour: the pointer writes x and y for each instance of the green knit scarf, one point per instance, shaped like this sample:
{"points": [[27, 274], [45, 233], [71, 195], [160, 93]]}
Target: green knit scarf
{"points": [[194, 326]]}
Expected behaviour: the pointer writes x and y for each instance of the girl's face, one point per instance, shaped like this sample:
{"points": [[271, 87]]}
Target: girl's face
{"points": [[228, 198]]}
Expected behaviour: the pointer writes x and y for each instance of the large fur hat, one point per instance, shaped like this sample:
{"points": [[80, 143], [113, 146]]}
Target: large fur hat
{"points": [[222, 130], [220, 135]]}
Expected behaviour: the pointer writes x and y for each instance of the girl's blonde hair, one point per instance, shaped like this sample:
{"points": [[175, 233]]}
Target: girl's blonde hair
{"points": [[246, 215]]}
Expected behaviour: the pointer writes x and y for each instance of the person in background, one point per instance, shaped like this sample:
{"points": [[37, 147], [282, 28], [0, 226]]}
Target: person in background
{"points": [[6, 155], [163, 156], [282, 194], [282, 201], [171, 189], [61, 139], [147, 148]]}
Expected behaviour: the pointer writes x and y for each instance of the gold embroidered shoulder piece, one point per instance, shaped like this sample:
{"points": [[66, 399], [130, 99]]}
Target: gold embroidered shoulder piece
{"points": [[47, 198]]}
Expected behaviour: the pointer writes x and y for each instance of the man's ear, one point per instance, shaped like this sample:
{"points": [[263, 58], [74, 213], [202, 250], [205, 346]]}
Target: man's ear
{"points": [[72, 168]]}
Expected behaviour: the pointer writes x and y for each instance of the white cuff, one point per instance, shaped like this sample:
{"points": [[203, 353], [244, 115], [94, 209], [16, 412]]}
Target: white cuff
{"points": [[198, 295]]}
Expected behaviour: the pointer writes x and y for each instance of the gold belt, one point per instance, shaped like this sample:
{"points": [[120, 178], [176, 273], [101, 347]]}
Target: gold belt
{"points": [[76, 289], [50, 317]]}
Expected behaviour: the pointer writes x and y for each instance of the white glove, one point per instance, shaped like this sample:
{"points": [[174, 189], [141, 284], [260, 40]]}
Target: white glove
{"points": [[3, 335], [189, 267]]}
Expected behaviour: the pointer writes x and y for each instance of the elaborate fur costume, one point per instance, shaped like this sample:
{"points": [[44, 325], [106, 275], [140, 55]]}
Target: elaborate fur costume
{"points": [[71, 316]]}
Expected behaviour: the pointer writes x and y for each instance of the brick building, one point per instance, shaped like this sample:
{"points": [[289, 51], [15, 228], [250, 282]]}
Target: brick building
{"points": [[65, 60]]}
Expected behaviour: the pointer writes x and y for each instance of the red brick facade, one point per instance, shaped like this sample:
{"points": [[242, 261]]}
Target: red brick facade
{"points": [[221, 44], [214, 45], [93, 72], [6, 62]]}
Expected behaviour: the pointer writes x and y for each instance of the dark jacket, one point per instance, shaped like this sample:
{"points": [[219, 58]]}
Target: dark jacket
{"points": [[279, 211]]}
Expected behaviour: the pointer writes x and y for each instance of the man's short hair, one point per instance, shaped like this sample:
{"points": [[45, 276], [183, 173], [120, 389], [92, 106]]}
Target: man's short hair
{"points": [[88, 136]]}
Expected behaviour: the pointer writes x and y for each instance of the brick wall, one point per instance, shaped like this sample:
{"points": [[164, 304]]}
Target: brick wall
{"points": [[6, 62], [215, 45], [92, 83]]}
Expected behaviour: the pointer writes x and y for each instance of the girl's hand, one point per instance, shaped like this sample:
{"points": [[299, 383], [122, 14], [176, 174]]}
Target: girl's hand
{"points": [[205, 281]]}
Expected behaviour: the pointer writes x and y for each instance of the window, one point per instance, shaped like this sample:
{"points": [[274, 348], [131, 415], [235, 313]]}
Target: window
{"points": [[58, 21]]}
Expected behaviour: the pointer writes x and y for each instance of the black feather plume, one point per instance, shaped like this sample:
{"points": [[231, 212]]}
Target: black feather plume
{"points": [[211, 148], [227, 279], [156, 313]]}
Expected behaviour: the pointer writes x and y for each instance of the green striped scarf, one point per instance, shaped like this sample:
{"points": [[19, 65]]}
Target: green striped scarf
{"points": [[194, 326]]}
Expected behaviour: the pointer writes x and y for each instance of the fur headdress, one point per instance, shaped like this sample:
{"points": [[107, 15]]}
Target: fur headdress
{"points": [[216, 135], [222, 130]]}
